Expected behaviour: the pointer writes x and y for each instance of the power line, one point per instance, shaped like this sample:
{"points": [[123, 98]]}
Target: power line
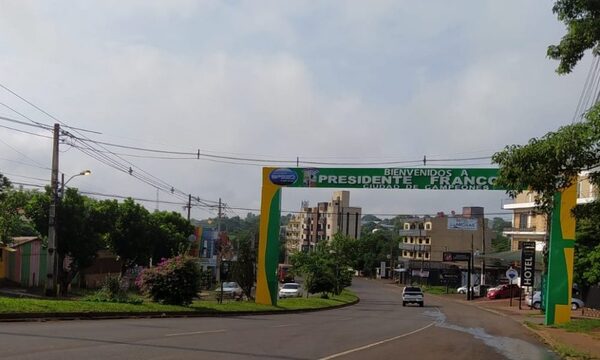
{"points": [[24, 176], [24, 163], [25, 132], [199, 154], [147, 178], [36, 125]]}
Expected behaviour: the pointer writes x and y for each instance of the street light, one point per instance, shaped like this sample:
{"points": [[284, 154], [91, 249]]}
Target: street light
{"points": [[64, 183], [52, 265]]}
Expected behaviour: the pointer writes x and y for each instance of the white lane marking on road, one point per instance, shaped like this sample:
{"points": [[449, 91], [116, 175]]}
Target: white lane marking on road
{"points": [[284, 325], [345, 319], [375, 343], [197, 332]]}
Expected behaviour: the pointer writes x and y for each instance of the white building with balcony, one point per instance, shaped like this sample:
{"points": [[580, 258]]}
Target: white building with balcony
{"points": [[529, 224]]}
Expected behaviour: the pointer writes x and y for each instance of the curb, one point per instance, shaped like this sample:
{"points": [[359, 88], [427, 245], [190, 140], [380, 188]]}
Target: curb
{"points": [[24, 317]]}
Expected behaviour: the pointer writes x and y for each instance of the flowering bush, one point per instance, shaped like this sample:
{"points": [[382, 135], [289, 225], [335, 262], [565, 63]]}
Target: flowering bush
{"points": [[173, 281]]}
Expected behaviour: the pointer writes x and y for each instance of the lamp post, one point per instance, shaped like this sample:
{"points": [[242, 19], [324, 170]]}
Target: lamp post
{"points": [[52, 266], [64, 183]]}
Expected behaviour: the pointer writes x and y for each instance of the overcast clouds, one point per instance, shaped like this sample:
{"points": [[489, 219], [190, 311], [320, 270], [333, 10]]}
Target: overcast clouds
{"points": [[328, 81]]}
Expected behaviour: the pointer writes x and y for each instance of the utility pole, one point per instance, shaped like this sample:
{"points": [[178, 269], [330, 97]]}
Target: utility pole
{"points": [[220, 253], [482, 282], [219, 218], [189, 205], [51, 259]]}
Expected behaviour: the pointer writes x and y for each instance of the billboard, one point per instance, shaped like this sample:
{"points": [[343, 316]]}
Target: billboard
{"points": [[456, 223], [386, 178]]}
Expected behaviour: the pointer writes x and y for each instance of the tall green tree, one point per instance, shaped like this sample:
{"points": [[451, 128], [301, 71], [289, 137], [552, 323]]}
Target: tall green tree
{"points": [[243, 269], [582, 19], [587, 246], [500, 242], [551, 163], [171, 232], [131, 237], [78, 239]]}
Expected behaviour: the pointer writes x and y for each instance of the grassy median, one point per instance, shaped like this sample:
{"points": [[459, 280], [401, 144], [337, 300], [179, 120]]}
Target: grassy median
{"points": [[20, 305]]}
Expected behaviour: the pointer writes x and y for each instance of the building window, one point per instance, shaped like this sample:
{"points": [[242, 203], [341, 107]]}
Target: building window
{"points": [[406, 226], [411, 240], [426, 255], [420, 240], [427, 226], [523, 220], [329, 226], [405, 240], [427, 241], [418, 254]]}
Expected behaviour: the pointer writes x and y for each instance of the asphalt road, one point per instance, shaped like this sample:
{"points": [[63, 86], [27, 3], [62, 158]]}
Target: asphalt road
{"points": [[376, 328]]}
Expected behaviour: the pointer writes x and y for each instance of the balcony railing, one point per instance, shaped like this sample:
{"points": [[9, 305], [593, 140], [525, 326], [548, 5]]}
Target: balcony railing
{"points": [[415, 247], [523, 230], [412, 232]]}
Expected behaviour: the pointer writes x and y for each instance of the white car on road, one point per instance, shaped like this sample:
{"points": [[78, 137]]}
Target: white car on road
{"points": [[290, 290], [412, 295]]}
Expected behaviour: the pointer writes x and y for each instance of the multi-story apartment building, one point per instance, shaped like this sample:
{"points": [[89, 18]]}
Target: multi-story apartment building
{"points": [[425, 239], [529, 224], [315, 224]]}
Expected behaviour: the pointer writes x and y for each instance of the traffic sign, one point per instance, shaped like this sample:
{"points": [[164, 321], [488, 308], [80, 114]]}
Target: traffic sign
{"points": [[512, 274]]}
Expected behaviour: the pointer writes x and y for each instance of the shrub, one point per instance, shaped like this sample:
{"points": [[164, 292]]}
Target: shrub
{"points": [[173, 281], [112, 291]]}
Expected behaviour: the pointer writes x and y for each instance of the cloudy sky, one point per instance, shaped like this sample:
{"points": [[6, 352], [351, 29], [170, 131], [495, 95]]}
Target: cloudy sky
{"points": [[329, 81]]}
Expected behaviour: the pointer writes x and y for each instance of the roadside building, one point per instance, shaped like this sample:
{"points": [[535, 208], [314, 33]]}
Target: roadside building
{"points": [[423, 240], [320, 223], [24, 262], [530, 224]]}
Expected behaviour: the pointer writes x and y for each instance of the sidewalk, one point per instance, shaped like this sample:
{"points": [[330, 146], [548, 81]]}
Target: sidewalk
{"points": [[534, 320]]}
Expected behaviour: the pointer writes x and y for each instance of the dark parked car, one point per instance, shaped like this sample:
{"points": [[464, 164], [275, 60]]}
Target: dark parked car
{"points": [[504, 291]]}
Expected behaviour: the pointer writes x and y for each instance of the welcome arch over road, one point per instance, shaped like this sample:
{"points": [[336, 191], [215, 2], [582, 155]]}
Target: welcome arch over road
{"points": [[562, 232]]}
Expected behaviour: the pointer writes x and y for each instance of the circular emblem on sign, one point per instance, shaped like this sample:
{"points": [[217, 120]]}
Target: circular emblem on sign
{"points": [[512, 274], [283, 176]]}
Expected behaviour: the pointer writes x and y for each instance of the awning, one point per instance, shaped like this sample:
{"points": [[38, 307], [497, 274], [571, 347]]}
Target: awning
{"points": [[508, 257]]}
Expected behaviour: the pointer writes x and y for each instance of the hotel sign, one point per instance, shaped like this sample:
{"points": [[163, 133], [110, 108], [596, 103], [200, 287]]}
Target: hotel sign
{"points": [[528, 263]]}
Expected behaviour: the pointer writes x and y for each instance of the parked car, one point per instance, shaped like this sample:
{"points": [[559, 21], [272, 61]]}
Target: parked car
{"points": [[230, 289], [463, 289], [290, 290], [412, 295], [504, 291], [536, 301]]}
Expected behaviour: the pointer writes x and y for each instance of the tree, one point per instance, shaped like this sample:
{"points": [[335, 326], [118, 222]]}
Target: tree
{"points": [[77, 237], [131, 238], [552, 162], [243, 269], [500, 242], [582, 18], [12, 221], [171, 232], [317, 268], [587, 246]]}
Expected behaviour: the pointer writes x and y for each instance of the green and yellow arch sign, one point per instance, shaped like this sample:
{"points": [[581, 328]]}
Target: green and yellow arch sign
{"points": [[274, 179]]}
